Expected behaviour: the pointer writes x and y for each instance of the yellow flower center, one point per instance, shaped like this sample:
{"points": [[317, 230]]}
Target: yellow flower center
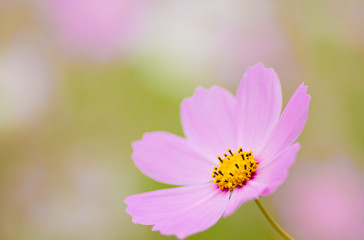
{"points": [[234, 170]]}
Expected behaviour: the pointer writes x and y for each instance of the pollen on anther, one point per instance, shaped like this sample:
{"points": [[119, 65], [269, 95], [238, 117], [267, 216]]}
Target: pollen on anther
{"points": [[229, 174]]}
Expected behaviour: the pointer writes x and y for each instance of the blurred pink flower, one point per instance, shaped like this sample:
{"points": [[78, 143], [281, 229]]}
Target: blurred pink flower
{"points": [[214, 120], [95, 27], [324, 201]]}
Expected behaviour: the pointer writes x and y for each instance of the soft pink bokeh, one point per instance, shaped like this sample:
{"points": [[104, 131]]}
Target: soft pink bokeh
{"points": [[214, 120], [97, 28], [324, 201], [27, 83]]}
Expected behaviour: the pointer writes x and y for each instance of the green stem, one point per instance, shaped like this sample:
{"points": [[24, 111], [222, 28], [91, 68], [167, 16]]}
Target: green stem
{"points": [[272, 222]]}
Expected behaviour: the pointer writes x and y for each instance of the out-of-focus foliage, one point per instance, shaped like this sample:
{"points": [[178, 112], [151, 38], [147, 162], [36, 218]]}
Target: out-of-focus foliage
{"points": [[68, 117]]}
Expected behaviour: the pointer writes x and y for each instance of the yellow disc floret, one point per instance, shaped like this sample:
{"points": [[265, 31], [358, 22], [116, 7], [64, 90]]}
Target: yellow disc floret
{"points": [[234, 170]]}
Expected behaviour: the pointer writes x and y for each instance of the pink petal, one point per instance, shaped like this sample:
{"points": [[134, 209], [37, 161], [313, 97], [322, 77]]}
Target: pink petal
{"points": [[290, 124], [179, 211], [272, 173], [259, 103], [171, 159], [240, 196], [207, 120]]}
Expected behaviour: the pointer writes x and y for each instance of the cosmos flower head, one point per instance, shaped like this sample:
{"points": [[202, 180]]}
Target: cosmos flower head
{"points": [[236, 149]]}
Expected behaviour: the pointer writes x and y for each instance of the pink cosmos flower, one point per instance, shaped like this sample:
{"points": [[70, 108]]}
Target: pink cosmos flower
{"points": [[259, 142]]}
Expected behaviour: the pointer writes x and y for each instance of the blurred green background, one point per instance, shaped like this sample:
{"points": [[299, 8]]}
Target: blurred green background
{"points": [[68, 117]]}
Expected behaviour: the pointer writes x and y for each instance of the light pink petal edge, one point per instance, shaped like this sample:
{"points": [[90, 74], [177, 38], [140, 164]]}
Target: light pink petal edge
{"points": [[272, 173], [241, 195], [208, 120], [171, 159], [289, 125], [179, 211], [259, 104]]}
